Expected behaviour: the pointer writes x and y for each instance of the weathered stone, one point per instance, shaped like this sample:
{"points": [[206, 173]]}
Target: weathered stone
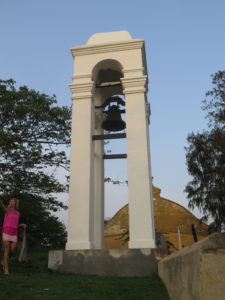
{"points": [[168, 217], [196, 272], [111, 262]]}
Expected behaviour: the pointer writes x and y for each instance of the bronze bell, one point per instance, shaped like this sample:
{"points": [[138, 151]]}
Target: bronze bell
{"points": [[113, 121]]}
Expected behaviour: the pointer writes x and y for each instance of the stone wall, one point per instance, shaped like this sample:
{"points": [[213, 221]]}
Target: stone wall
{"points": [[196, 272]]}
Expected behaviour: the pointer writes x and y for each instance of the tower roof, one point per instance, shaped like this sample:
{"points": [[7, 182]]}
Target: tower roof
{"points": [[109, 37]]}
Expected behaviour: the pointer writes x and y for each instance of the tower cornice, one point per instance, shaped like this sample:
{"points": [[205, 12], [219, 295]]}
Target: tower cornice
{"points": [[134, 84], [82, 90], [110, 47]]}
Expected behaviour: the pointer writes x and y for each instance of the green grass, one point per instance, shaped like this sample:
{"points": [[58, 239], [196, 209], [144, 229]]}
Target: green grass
{"points": [[33, 281]]}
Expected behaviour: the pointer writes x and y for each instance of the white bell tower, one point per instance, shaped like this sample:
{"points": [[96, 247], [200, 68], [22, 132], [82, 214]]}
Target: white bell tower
{"points": [[109, 64]]}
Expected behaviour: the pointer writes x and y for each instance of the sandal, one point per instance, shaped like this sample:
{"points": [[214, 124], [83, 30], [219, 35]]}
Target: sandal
{"points": [[6, 273]]}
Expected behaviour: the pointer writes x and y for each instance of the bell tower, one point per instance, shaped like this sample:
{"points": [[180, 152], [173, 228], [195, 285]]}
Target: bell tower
{"points": [[110, 79]]}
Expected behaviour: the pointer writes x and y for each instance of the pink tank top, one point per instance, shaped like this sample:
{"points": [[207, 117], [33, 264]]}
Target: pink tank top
{"points": [[11, 222]]}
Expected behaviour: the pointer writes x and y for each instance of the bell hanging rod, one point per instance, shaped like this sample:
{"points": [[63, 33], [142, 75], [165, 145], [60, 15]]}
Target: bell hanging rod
{"points": [[117, 99], [122, 111], [108, 84], [109, 136], [114, 156]]}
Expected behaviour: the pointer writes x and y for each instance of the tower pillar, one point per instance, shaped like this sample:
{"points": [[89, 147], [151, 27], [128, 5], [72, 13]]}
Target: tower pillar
{"points": [[81, 191], [141, 225]]}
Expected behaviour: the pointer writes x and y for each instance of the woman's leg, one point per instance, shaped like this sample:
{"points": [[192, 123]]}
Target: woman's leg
{"points": [[12, 248], [6, 256]]}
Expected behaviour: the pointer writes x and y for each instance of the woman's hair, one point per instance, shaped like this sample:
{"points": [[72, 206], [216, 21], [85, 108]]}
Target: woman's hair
{"points": [[16, 202]]}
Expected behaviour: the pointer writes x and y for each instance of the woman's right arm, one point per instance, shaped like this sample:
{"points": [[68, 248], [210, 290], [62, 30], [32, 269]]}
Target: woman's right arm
{"points": [[3, 206]]}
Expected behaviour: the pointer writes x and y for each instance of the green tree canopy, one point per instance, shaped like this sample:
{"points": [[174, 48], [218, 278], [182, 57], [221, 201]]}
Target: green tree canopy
{"points": [[34, 132], [205, 157]]}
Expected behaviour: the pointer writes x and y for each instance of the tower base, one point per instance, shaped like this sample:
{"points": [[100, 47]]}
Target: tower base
{"points": [[107, 262]]}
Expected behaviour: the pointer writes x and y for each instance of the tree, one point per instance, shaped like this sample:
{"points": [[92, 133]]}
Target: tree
{"points": [[205, 157], [34, 132]]}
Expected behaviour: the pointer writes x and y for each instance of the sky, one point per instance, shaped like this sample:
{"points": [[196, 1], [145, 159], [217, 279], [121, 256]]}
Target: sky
{"points": [[185, 45]]}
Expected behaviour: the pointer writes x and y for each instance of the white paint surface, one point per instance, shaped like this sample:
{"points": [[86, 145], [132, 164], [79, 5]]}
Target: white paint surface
{"points": [[116, 51]]}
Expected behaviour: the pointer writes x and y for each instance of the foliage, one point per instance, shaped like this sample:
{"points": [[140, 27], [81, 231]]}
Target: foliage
{"points": [[33, 135], [205, 157], [215, 102]]}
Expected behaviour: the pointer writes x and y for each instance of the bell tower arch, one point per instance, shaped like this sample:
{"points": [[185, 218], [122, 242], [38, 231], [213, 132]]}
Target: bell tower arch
{"points": [[109, 64]]}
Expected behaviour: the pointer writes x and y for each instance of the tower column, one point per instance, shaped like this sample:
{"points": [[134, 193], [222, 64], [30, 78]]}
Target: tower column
{"points": [[81, 192], [141, 222], [98, 223]]}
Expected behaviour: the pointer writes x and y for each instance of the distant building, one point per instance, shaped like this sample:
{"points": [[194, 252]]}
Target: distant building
{"points": [[175, 226]]}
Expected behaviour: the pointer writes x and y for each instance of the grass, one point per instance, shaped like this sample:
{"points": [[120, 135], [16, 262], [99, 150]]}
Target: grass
{"points": [[33, 281]]}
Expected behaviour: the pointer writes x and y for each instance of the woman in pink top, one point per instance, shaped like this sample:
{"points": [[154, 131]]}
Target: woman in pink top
{"points": [[10, 231]]}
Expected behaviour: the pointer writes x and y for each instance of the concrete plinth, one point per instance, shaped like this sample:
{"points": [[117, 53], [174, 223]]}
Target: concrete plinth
{"points": [[107, 262]]}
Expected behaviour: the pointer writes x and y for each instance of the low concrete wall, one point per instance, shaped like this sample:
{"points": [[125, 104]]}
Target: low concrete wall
{"points": [[196, 272], [107, 262]]}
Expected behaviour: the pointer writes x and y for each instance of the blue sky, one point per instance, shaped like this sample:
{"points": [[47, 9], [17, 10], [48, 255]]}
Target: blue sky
{"points": [[185, 44]]}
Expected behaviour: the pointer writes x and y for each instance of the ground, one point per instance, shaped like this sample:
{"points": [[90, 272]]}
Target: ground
{"points": [[32, 281]]}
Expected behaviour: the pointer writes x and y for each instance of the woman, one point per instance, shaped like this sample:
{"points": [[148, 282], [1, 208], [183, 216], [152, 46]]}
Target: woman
{"points": [[10, 231]]}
